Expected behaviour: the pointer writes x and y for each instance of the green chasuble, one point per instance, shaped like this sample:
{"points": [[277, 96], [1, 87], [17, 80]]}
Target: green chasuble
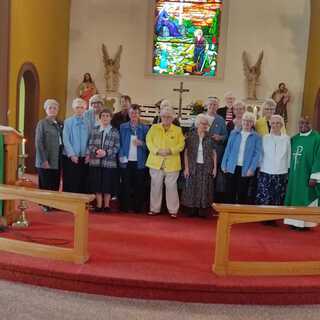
{"points": [[1, 168], [305, 160]]}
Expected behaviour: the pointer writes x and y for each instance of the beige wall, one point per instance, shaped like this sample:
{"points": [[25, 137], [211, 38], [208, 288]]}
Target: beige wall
{"points": [[312, 84], [280, 27], [39, 34]]}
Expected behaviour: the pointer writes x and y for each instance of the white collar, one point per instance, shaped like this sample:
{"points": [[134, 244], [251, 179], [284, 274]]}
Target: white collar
{"points": [[305, 134], [107, 128]]}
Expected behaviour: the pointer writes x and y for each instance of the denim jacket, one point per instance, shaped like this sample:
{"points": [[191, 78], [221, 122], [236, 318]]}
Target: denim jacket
{"points": [[125, 137], [75, 136], [252, 152]]}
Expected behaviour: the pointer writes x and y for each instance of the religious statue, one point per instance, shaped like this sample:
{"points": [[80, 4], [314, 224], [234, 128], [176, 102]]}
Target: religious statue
{"points": [[112, 67], [87, 88], [282, 97], [252, 74]]}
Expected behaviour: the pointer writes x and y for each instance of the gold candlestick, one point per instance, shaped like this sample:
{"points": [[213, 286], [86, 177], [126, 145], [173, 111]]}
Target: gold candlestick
{"points": [[23, 181]]}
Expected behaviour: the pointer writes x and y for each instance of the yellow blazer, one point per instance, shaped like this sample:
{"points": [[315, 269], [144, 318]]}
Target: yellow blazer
{"points": [[158, 138], [262, 127]]}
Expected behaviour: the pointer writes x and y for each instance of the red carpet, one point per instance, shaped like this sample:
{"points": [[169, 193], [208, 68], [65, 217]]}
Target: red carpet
{"points": [[160, 258]]}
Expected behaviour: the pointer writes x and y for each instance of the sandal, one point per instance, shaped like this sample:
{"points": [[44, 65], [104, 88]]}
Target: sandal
{"points": [[174, 215]]}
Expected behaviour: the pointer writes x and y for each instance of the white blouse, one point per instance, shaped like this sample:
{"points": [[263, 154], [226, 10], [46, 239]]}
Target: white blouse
{"points": [[244, 137], [276, 153], [200, 152]]}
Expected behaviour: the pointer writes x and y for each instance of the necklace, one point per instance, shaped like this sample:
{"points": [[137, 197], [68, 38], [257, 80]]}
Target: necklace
{"points": [[275, 142]]}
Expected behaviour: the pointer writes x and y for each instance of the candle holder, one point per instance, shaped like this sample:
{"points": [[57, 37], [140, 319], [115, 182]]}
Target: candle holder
{"points": [[23, 181]]}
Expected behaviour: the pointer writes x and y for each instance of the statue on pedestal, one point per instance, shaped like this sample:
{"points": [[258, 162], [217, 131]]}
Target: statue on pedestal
{"points": [[87, 88], [112, 67], [252, 74], [282, 97]]}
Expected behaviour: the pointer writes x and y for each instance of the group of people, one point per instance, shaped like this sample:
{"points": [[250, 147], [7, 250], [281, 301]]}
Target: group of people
{"points": [[227, 156]]}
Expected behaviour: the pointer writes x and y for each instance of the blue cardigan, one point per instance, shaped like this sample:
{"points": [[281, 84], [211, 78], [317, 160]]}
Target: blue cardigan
{"points": [[125, 136], [252, 152]]}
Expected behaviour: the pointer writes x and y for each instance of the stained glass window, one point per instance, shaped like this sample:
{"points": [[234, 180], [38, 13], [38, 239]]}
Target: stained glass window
{"points": [[186, 37]]}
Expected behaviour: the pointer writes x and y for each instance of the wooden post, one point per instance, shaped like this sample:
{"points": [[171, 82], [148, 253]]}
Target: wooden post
{"points": [[221, 259], [81, 233]]}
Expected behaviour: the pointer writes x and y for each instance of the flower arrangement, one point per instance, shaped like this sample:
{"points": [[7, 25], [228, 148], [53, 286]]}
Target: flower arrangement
{"points": [[197, 107]]}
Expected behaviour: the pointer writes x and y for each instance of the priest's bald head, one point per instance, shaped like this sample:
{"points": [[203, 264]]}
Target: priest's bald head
{"points": [[304, 124]]}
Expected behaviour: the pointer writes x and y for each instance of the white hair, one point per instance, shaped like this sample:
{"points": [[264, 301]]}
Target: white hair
{"points": [[50, 102], [249, 116], [96, 98], [269, 103], [211, 99], [201, 117], [239, 102], [167, 111], [229, 94], [78, 102], [165, 103]]}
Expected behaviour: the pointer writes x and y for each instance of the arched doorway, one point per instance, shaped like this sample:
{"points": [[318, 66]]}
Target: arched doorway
{"points": [[28, 109]]}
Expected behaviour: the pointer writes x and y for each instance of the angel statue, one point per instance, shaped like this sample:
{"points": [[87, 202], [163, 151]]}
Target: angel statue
{"points": [[112, 67], [252, 74]]}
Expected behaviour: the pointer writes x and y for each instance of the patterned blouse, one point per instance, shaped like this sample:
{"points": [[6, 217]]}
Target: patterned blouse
{"points": [[192, 145], [109, 142]]}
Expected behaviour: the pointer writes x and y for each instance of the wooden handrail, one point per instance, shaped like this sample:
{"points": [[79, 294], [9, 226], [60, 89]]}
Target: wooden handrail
{"points": [[75, 203], [234, 214]]}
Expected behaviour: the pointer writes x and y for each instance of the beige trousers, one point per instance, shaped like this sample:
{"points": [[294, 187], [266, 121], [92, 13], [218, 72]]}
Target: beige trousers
{"points": [[172, 197]]}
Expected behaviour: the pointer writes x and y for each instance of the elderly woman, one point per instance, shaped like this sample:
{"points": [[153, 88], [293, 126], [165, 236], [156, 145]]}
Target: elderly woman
{"points": [[122, 116], [239, 109], [262, 125], [163, 103], [227, 112], [75, 154], [95, 107], [132, 156], [103, 148], [241, 159], [219, 134], [200, 161], [165, 141], [273, 175], [48, 143], [217, 129]]}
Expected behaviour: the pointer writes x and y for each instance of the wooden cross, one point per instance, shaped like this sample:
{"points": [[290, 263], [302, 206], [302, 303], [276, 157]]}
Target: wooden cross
{"points": [[181, 91]]}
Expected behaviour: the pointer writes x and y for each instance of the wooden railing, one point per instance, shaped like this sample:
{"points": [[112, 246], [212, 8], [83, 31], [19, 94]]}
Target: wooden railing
{"points": [[77, 204], [234, 214]]}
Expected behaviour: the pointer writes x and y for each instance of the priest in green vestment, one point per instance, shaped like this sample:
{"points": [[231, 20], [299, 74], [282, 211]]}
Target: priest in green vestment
{"points": [[304, 178]]}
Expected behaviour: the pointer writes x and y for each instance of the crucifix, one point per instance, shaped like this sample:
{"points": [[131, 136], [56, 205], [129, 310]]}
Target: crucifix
{"points": [[297, 154], [181, 91]]}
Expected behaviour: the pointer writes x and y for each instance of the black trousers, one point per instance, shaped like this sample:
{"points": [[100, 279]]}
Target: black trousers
{"points": [[75, 175], [237, 187], [133, 187], [49, 179]]}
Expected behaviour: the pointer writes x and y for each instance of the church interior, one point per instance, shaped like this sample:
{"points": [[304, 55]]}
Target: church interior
{"points": [[131, 48]]}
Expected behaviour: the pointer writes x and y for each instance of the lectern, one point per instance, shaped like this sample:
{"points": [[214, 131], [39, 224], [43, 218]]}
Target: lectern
{"points": [[12, 139]]}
